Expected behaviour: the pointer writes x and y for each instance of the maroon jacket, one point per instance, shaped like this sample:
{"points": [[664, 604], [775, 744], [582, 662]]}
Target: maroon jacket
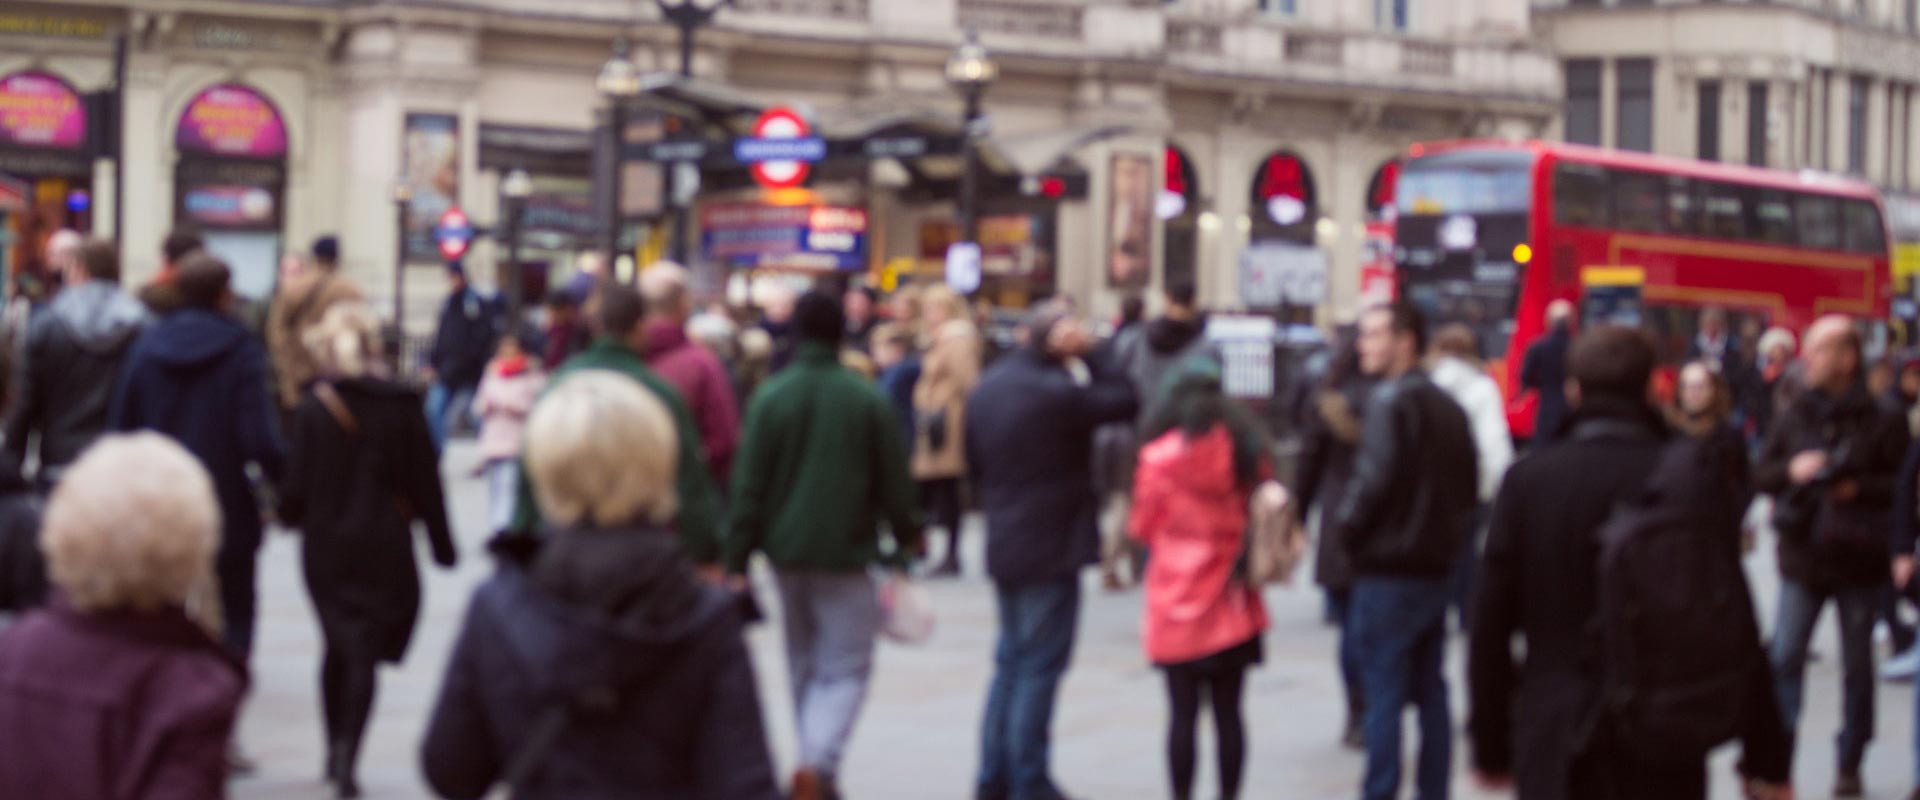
{"points": [[115, 706], [705, 387]]}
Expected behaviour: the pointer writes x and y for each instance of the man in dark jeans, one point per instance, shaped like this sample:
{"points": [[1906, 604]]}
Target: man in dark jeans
{"points": [[1830, 463], [469, 325], [1544, 372], [1540, 583], [1029, 442], [1403, 521]]}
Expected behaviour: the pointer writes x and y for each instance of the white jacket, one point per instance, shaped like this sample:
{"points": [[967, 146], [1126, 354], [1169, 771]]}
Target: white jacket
{"points": [[1479, 396]]}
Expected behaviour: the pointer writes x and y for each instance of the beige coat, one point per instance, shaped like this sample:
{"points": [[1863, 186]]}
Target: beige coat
{"points": [[298, 305], [948, 373]]}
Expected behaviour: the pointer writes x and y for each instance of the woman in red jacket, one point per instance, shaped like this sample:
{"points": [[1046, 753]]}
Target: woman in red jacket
{"points": [[1203, 620]]}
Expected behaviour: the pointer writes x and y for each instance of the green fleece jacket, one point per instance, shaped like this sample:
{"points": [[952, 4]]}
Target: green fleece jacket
{"points": [[820, 465], [699, 519]]}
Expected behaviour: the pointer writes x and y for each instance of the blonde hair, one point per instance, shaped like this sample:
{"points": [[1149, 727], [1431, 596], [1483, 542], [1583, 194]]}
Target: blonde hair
{"points": [[602, 451], [345, 343], [947, 300], [132, 524]]}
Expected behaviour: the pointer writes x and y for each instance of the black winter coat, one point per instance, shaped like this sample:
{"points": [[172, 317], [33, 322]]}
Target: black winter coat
{"points": [[200, 378], [615, 622], [1415, 486], [1539, 580], [65, 374], [1029, 445], [1329, 444], [1873, 440], [1544, 370], [354, 495], [23, 570], [463, 342]]}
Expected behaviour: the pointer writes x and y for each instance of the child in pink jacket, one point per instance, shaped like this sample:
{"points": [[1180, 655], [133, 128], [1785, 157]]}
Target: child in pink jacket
{"points": [[513, 382]]}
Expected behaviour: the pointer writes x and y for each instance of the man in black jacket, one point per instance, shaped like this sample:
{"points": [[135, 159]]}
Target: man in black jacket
{"points": [[1029, 442], [1403, 521], [65, 375], [1830, 463], [1544, 372], [462, 344], [1540, 581]]}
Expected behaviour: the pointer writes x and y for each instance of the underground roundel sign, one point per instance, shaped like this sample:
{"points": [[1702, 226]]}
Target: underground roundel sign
{"points": [[781, 122], [454, 233]]}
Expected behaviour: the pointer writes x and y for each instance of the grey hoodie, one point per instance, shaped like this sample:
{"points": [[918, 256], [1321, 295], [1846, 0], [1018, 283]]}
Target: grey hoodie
{"points": [[66, 373]]}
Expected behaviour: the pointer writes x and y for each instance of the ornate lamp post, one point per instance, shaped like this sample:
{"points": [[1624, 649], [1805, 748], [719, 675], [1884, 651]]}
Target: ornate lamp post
{"points": [[971, 71], [402, 198], [619, 82], [515, 188], [689, 16]]}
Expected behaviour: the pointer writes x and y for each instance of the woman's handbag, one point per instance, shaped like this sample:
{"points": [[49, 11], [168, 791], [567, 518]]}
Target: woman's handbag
{"points": [[1275, 540], [933, 426], [906, 610]]}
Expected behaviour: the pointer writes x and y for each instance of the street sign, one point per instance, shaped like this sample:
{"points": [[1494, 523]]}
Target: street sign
{"points": [[454, 233], [786, 163], [963, 267], [690, 150]]}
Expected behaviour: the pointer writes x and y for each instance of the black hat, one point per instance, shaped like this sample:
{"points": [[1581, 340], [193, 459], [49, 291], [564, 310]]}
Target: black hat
{"points": [[455, 268], [327, 248]]}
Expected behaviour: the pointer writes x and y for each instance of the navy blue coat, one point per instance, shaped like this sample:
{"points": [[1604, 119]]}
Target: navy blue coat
{"points": [[1030, 450], [463, 342], [199, 377], [1544, 370]]}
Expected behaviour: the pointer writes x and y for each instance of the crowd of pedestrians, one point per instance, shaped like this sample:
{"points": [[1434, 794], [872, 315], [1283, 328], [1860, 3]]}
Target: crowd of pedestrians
{"points": [[642, 453]]}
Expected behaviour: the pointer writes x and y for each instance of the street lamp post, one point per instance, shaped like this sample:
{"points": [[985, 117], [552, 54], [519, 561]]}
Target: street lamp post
{"points": [[619, 82], [688, 17], [515, 188], [402, 198], [970, 70]]}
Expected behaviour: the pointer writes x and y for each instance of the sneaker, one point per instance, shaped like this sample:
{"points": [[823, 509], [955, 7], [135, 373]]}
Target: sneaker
{"points": [[1848, 785], [1902, 667]]}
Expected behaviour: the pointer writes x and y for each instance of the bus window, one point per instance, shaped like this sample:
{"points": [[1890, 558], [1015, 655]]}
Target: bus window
{"points": [[1683, 211], [1865, 232], [1465, 183], [1772, 219], [1639, 202], [1676, 329], [1819, 221], [1723, 210], [1580, 196]]}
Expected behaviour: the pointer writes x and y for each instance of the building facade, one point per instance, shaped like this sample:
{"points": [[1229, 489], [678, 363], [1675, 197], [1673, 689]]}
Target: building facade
{"points": [[1187, 133]]}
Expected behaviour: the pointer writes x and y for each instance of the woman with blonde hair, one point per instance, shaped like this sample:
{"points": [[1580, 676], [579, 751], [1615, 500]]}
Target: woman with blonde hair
{"points": [[363, 472], [113, 691], [948, 373], [595, 663]]}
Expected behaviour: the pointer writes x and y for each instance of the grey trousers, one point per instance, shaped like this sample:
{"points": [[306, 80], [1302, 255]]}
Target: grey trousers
{"points": [[831, 619]]}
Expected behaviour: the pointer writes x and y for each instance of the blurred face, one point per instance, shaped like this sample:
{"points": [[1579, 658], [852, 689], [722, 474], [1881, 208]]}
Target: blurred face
{"points": [[1377, 343], [1713, 324], [456, 282], [1780, 354], [1069, 338], [1831, 363], [509, 348], [887, 354], [859, 307], [1910, 382], [938, 314], [1696, 390]]}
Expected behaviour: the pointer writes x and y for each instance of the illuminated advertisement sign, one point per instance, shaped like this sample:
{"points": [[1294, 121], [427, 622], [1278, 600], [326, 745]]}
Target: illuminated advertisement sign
{"points": [[753, 236], [40, 110], [232, 120]]}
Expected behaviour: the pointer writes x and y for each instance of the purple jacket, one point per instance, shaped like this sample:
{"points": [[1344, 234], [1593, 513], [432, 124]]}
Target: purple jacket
{"points": [[706, 388], [114, 706]]}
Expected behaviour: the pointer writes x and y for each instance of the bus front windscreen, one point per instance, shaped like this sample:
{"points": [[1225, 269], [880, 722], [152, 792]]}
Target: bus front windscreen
{"points": [[1461, 216]]}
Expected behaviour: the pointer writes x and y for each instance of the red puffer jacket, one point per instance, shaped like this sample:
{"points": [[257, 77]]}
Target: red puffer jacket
{"points": [[1190, 511]]}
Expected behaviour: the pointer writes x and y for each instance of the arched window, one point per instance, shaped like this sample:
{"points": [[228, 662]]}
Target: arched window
{"points": [[1284, 201], [1178, 208], [1380, 191]]}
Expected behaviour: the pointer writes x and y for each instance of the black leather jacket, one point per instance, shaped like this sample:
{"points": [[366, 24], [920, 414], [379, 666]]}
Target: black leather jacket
{"points": [[1411, 501], [66, 372]]}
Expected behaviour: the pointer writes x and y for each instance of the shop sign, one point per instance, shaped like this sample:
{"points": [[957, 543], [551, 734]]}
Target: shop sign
{"points": [[963, 267], [40, 110], [215, 36], [454, 234], [1906, 261], [232, 120], [781, 149], [42, 25], [229, 206], [786, 237]]}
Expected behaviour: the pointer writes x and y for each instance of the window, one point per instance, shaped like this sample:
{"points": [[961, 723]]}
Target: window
{"points": [[1683, 211], [1707, 144], [1771, 219], [1639, 202], [1818, 221], [1635, 102], [1723, 210], [1758, 117], [1865, 232], [1856, 132], [1580, 196], [1583, 101], [1391, 15]]}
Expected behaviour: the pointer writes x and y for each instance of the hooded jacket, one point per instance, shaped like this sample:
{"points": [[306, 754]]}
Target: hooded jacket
{"points": [[65, 377], [612, 625], [706, 388], [1191, 512], [199, 377], [1149, 352]]}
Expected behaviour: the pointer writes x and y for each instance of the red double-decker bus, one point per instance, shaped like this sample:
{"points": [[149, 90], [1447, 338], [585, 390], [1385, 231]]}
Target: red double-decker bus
{"points": [[1489, 232]]}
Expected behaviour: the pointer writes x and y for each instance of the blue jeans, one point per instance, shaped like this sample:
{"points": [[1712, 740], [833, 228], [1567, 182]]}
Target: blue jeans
{"points": [[1401, 628], [1038, 623], [1800, 607], [443, 402]]}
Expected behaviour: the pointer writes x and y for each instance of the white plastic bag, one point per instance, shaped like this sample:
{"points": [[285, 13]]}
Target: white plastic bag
{"points": [[906, 610]]}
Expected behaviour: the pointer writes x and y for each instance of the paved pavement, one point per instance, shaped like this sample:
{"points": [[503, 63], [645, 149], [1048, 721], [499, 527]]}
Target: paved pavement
{"points": [[918, 738]]}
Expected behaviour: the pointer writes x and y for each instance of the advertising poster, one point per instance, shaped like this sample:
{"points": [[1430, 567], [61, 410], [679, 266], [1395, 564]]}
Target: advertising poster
{"points": [[234, 121], [431, 155], [752, 236], [40, 110], [1130, 216]]}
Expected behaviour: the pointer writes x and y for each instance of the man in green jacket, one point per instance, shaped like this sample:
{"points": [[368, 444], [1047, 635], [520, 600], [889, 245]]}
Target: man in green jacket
{"points": [[820, 466], [621, 335]]}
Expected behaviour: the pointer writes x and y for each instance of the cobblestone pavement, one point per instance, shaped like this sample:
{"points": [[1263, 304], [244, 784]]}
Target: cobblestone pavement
{"points": [[918, 737]]}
